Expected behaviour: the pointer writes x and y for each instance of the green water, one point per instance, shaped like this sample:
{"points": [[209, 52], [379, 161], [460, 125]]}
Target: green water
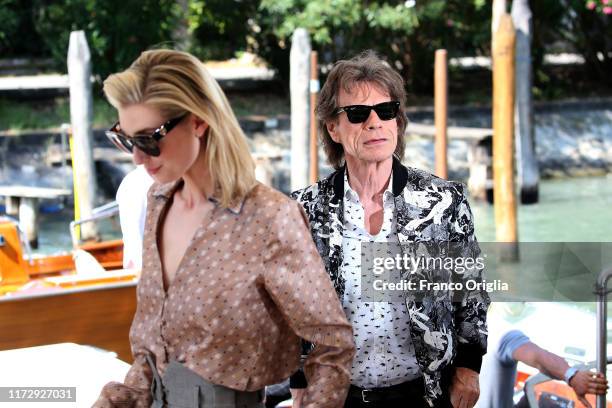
{"points": [[54, 232], [569, 210]]}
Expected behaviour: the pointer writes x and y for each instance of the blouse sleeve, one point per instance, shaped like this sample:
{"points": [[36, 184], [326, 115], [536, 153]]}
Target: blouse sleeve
{"points": [[297, 281], [134, 392]]}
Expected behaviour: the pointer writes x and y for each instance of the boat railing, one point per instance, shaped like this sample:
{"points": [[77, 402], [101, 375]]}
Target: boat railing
{"points": [[102, 212]]}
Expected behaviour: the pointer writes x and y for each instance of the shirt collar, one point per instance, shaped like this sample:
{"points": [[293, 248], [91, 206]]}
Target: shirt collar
{"points": [[352, 195], [235, 209], [166, 191]]}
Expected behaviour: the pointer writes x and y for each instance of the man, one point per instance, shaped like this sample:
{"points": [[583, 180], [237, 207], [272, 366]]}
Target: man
{"points": [[132, 200], [425, 351], [499, 371]]}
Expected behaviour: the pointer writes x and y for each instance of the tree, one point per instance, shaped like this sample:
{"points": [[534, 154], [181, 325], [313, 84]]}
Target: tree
{"points": [[117, 31], [569, 25], [406, 32], [16, 36], [219, 28]]}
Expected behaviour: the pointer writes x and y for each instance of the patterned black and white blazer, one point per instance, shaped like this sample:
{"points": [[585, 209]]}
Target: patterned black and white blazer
{"points": [[446, 331]]}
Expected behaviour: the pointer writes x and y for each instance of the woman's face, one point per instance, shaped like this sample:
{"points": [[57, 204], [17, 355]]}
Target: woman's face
{"points": [[179, 148]]}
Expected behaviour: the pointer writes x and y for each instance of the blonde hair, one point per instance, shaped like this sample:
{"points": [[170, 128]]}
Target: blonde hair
{"points": [[175, 83]]}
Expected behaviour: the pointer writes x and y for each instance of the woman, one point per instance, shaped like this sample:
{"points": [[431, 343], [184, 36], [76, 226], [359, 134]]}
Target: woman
{"points": [[231, 278]]}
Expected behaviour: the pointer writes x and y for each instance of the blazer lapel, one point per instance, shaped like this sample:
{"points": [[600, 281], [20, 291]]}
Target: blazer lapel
{"points": [[335, 213], [405, 209]]}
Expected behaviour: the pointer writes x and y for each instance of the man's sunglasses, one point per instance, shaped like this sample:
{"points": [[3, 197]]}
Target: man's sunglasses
{"points": [[360, 113], [148, 144]]}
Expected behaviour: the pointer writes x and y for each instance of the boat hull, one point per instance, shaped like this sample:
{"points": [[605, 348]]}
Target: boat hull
{"points": [[99, 316]]}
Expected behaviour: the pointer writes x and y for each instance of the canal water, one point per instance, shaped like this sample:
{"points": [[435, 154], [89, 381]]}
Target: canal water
{"points": [[54, 234], [572, 139], [569, 210]]}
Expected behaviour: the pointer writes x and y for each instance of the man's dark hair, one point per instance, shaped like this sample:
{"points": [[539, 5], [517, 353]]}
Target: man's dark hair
{"points": [[365, 67]]}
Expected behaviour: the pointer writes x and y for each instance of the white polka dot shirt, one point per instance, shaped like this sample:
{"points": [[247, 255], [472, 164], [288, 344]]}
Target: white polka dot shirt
{"points": [[384, 351]]}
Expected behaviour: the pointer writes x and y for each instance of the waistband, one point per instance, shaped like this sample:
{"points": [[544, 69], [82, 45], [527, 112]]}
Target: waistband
{"points": [[408, 389], [182, 387]]}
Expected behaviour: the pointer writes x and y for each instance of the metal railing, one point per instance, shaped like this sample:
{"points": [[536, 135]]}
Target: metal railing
{"points": [[602, 291], [542, 378], [602, 360], [104, 211]]}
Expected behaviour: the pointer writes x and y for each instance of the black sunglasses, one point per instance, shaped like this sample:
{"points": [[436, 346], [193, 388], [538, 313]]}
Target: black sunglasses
{"points": [[148, 144], [360, 113]]}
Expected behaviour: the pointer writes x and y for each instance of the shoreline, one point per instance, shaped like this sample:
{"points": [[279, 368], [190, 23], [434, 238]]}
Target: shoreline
{"points": [[257, 123], [573, 139]]}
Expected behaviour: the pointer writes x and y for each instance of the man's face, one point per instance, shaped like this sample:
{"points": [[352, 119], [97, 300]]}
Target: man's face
{"points": [[371, 141]]}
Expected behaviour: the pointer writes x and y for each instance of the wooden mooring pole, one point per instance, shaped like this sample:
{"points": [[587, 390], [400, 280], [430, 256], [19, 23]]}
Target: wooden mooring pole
{"points": [[12, 206], [503, 138], [498, 10], [527, 166], [26, 200], [81, 118], [314, 92], [28, 219], [299, 60], [441, 114]]}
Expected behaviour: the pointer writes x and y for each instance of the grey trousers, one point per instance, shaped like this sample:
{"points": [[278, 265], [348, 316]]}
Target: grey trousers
{"points": [[180, 387]]}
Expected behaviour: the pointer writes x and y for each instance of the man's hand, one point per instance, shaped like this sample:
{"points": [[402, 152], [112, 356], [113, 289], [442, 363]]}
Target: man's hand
{"points": [[587, 382], [297, 395], [464, 390]]}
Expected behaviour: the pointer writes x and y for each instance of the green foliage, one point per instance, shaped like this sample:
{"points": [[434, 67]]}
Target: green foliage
{"points": [[19, 115], [407, 33], [569, 25], [219, 28], [117, 31], [50, 113], [16, 34], [10, 21]]}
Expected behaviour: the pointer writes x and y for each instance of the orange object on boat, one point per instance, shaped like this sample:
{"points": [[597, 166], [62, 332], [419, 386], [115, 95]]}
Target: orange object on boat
{"points": [[555, 387], [13, 269]]}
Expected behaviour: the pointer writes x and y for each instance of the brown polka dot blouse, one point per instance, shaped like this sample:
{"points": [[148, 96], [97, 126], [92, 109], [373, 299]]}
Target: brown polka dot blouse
{"points": [[250, 285]]}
